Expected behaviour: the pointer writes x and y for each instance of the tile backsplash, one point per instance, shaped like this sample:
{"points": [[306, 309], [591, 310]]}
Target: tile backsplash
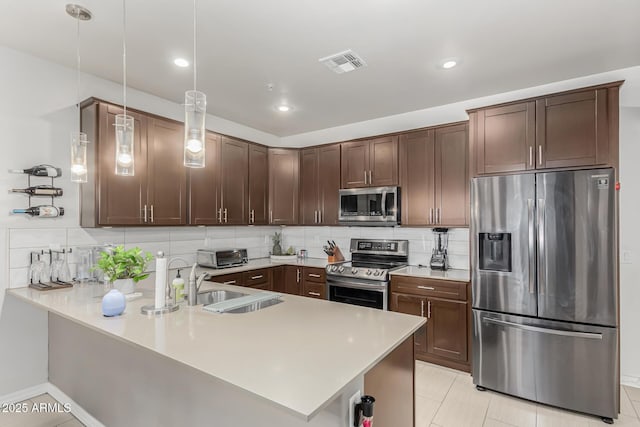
{"points": [[184, 241]]}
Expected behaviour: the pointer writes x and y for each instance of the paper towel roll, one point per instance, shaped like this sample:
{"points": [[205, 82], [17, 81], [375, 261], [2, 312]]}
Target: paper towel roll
{"points": [[161, 279]]}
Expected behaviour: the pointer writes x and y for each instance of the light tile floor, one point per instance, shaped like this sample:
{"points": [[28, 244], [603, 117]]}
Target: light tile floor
{"points": [[448, 398], [39, 419]]}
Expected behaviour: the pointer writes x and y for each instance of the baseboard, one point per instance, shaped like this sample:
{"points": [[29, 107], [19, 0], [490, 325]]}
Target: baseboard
{"points": [[24, 394], [83, 416], [630, 381]]}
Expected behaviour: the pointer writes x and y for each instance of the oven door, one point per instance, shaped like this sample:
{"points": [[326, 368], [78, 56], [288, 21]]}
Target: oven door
{"points": [[374, 295], [370, 206]]}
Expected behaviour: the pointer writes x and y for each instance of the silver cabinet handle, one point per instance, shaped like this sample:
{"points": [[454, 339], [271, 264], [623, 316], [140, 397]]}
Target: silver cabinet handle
{"points": [[365, 177], [252, 216], [438, 216], [259, 276], [431, 216], [541, 248], [317, 276], [319, 217], [219, 216], [145, 213], [540, 154], [152, 220], [298, 275], [225, 215], [315, 217], [230, 282], [315, 294], [422, 308], [370, 181], [429, 310], [532, 248], [270, 217], [426, 288], [589, 335], [531, 155]]}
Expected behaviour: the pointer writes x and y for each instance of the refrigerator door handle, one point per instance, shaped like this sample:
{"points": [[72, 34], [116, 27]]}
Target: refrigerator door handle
{"points": [[532, 246], [541, 248], [587, 335]]}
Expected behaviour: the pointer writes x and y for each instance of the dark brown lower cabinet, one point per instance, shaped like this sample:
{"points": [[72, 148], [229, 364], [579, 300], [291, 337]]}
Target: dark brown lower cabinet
{"points": [[292, 279], [444, 340]]}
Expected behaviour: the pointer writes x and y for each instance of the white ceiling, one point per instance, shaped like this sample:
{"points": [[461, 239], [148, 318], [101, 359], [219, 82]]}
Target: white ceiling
{"points": [[245, 45]]}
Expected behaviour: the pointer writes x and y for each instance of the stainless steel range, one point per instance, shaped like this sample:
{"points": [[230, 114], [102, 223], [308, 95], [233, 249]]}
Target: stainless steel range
{"points": [[365, 280]]}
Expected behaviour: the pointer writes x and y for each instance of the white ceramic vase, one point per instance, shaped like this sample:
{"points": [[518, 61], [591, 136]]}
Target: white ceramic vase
{"points": [[126, 286]]}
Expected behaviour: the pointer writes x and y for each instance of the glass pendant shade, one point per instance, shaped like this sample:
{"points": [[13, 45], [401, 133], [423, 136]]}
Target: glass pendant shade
{"points": [[195, 109], [79, 157], [125, 161]]}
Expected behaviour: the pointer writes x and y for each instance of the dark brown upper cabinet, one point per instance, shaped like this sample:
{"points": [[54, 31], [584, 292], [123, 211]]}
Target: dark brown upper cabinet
{"points": [[370, 163], [258, 185], [219, 192], [284, 166], [204, 185], [571, 129], [434, 176], [156, 194], [319, 185]]}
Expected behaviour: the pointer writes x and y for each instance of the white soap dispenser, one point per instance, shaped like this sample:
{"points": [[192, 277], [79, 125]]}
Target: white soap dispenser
{"points": [[178, 287]]}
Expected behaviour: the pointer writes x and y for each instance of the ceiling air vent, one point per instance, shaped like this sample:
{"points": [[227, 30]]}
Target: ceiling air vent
{"points": [[343, 62]]}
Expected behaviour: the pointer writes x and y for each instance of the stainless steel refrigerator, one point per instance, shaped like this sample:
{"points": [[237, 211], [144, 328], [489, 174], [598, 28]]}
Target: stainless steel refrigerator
{"points": [[544, 281]]}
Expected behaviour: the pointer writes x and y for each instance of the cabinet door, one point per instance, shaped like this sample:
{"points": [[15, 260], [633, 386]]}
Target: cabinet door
{"points": [[505, 138], [383, 161], [309, 186], [355, 164], [166, 173], [283, 186], [121, 198], [451, 176], [417, 172], [204, 186], [329, 184], [447, 328], [572, 130], [258, 185], [292, 279], [234, 178], [278, 274], [415, 305]]}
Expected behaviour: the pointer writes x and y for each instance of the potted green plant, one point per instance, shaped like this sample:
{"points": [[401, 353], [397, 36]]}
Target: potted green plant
{"points": [[123, 268]]}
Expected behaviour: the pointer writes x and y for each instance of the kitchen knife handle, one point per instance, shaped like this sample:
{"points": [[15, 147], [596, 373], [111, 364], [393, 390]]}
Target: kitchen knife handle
{"points": [[532, 247]]}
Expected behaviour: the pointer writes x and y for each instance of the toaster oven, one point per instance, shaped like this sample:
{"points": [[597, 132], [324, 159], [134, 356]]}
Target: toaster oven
{"points": [[211, 258]]}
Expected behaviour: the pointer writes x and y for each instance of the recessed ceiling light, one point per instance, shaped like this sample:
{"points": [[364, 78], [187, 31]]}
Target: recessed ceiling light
{"points": [[181, 62], [283, 108], [449, 64]]}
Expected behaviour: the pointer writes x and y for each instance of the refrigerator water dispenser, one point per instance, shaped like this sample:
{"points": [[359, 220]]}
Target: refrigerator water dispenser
{"points": [[494, 251]]}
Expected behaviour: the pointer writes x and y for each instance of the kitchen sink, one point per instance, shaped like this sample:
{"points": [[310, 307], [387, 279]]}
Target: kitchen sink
{"points": [[255, 306], [212, 297]]}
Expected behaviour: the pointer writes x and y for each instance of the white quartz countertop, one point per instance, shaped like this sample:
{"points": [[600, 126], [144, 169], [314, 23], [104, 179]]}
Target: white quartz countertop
{"points": [[427, 273], [299, 354], [257, 263]]}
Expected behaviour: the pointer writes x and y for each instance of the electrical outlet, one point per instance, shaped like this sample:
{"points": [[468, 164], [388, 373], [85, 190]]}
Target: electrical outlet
{"points": [[353, 401], [627, 257]]}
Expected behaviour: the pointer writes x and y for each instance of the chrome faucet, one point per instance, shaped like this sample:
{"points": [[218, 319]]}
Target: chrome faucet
{"points": [[194, 285]]}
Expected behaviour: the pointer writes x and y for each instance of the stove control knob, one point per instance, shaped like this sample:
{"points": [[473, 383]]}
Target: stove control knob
{"points": [[340, 269], [369, 272], [377, 273], [354, 271], [334, 268]]}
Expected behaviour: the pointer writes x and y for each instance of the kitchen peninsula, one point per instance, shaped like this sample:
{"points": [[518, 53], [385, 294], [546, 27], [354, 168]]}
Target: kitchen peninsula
{"points": [[296, 363]]}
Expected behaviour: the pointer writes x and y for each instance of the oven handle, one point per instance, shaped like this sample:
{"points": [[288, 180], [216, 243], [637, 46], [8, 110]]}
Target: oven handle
{"points": [[384, 204], [357, 285]]}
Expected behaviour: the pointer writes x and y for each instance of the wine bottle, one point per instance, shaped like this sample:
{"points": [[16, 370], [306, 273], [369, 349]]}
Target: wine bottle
{"points": [[43, 211], [40, 190], [40, 170]]}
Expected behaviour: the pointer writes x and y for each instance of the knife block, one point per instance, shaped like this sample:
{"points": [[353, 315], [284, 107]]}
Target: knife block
{"points": [[337, 256]]}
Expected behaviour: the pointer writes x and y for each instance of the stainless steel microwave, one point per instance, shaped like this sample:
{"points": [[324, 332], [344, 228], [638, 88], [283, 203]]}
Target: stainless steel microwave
{"points": [[373, 206]]}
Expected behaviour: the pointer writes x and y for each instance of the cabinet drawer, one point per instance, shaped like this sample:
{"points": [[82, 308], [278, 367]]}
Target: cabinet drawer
{"points": [[314, 275], [228, 279], [262, 286], [314, 290], [429, 287], [256, 277]]}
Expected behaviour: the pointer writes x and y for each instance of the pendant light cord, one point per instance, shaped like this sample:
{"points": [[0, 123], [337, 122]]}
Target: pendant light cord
{"points": [[124, 55], [195, 23], [78, 70]]}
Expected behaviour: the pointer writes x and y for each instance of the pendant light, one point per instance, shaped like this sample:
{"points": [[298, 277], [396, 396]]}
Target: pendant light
{"points": [[78, 139], [195, 110], [125, 158]]}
